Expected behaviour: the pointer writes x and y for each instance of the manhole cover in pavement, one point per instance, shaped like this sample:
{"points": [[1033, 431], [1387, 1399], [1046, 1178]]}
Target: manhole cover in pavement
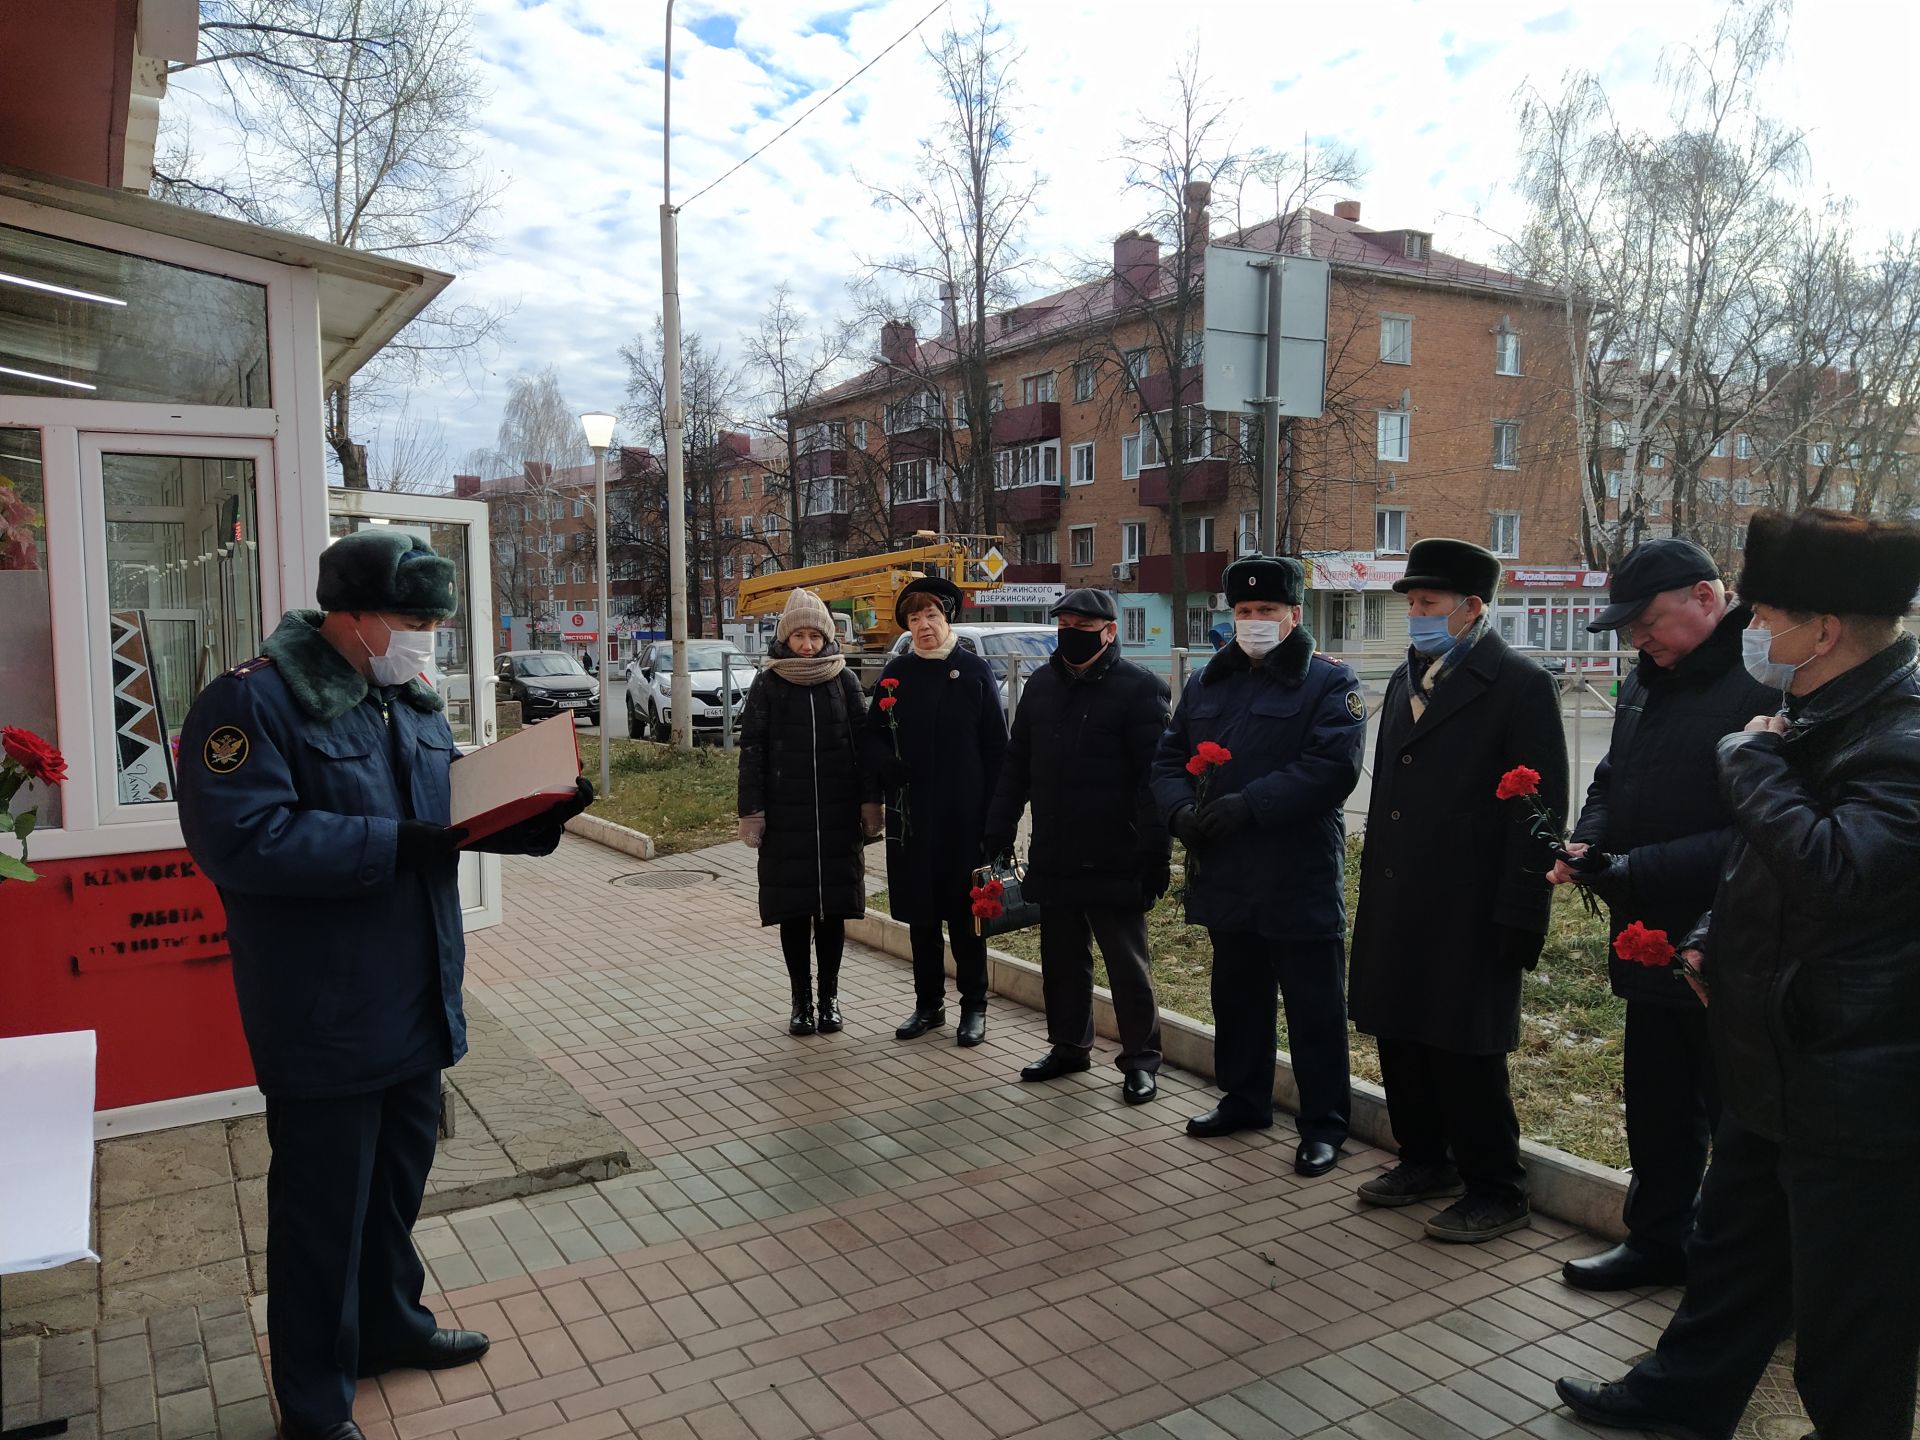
{"points": [[663, 879]]}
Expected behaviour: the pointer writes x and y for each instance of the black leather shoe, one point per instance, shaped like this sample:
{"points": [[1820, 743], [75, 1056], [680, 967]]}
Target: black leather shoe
{"points": [[920, 1022], [1139, 1087], [830, 1022], [1610, 1404], [973, 1027], [802, 1021], [1054, 1064], [1222, 1121], [1623, 1268], [345, 1430], [1315, 1157], [442, 1350]]}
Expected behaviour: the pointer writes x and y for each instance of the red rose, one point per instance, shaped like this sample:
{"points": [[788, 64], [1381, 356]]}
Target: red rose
{"points": [[1197, 765], [33, 755], [887, 702], [1638, 945], [1214, 754], [889, 684], [1521, 780]]}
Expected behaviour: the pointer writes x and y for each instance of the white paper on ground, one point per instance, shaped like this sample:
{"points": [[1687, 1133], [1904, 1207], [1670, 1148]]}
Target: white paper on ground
{"points": [[46, 1150]]}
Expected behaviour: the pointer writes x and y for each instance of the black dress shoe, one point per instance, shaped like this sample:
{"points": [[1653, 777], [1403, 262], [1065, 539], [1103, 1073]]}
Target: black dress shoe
{"points": [[973, 1027], [1610, 1404], [920, 1022], [1315, 1157], [442, 1350], [830, 1022], [802, 1022], [1054, 1064], [1623, 1268], [1139, 1087], [1222, 1121], [345, 1430]]}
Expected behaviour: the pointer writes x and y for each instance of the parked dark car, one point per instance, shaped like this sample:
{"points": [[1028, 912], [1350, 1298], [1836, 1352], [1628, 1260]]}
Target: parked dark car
{"points": [[546, 683]]}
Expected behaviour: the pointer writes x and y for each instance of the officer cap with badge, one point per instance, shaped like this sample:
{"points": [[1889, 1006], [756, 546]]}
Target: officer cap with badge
{"points": [[1279, 578], [387, 571]]}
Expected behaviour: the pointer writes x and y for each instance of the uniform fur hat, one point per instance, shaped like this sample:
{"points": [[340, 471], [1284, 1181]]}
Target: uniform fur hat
{"points": [[1824, 563], [1279, 578], [804, 611], [387, 571]]}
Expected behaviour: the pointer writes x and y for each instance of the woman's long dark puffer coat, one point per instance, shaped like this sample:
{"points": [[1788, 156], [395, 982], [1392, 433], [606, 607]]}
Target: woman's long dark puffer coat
{"points": [[800, 767]]}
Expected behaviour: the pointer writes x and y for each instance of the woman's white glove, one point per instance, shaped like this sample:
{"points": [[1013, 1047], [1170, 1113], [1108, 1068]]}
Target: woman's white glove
{"points": [[752, 828]]}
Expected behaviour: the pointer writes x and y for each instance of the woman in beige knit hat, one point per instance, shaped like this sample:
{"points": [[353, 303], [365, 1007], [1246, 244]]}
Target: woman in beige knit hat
{"points": [[801, 787]]}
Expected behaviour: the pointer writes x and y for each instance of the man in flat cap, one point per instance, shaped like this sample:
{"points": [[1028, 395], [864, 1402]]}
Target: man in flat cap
{"points": [[1454, 894], [1266, 852], [1650, 843], [1810, 965], [1082, 755], [314, 791]]}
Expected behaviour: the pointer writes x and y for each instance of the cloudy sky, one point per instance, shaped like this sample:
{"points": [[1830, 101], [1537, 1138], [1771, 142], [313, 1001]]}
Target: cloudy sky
{"points": [[1423, 90]]}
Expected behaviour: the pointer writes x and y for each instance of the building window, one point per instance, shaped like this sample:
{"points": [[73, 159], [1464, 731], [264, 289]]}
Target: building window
{"points": [[726, 567], [1199, 435], [726, 525], [726, 608], [1037, 389], [1506, 445], [916, 411], [1396, 339], [1616, 434], [859, 439], [1654, 507], [827, 495], [1390, 532], [911, 480], [706, 569], [770, 523], [746, 484], [1656, 461], [1022, 465], [26, 641], [1038, 547], [1083, 381], [1506, 353], [1249, 532], [1374, 617], [543, 542], [1080, 541], [1393, 435], [1198, 621], [746, 567], [1506, 534], [1743, 447], [1819, 453], [706, 607], [1200, 535], [579, 507], [1081, 470], [1720, 448], [1615, 480], [1193, 349], [746, 527], [1133, 540], [1130, 455], [826, 435], [1133, 625], [1743, 491], [1136, 366]]}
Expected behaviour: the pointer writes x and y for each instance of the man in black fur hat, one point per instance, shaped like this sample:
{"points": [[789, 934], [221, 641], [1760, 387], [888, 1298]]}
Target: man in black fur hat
{"points": [[1810, 966]]}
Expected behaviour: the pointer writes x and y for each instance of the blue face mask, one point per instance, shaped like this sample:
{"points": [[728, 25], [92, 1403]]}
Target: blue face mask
{"points": [[1429, 633], [1756, 650]]}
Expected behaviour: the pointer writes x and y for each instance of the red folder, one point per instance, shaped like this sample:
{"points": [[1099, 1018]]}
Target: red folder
{"points": [[515, 779]]}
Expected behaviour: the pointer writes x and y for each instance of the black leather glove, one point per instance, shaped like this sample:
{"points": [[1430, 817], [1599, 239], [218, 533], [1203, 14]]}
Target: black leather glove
{"points": [[1608, 876], [422, 845], [567, 809], [1185, 825], [1156, 877], [892, 771], [1519, 949], [1226, 816]]}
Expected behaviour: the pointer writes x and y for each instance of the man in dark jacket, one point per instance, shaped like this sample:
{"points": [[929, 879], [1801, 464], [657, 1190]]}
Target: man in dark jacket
{"points": [[1082, 754], [1453, 894], [314, 792], [1650, 843], [1266, 852], [1810, 963]]}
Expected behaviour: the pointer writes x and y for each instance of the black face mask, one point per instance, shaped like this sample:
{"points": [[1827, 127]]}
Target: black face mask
{"points": [[1078, 646]]}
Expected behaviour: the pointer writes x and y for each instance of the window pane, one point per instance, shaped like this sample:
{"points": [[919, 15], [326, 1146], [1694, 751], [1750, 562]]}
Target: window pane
{"points": [[26, 614], [183, 599], [85, 323]]}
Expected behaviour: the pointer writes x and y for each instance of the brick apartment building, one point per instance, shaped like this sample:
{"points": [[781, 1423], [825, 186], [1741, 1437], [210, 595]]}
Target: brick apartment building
{"points": [[1448, 414]]}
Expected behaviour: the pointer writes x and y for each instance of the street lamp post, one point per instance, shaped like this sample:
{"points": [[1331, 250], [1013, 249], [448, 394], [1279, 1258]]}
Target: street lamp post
{"points": [[599, 427], [673, 423]]}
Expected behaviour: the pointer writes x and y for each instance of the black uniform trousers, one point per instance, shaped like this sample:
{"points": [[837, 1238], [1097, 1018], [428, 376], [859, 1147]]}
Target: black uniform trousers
{"points": [[1823, 1244], [1311, 978], [1066, 978], [343, 1280], [930, 961], [1439, 1101], [1673, 1105]]}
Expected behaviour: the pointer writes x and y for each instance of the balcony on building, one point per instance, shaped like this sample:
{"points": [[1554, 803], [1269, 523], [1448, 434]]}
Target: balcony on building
{"points": [[912, 515], [1024, 424], [830, 525], [1037, 504], [1155, 572], [1155, 389], [1202, 482], [1032, 572], [812, 464]]}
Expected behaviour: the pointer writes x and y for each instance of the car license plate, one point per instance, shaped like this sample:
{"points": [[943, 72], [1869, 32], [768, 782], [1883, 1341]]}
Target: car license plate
{"points": [[573, 704]]}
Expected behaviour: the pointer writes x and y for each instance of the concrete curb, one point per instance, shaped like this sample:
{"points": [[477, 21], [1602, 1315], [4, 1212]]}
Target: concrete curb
{"points": [[1563, 1186], [616, 837]]}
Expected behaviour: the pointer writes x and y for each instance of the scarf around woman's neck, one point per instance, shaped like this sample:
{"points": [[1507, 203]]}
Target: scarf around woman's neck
{"points": [[940, 654], [808, 669]]}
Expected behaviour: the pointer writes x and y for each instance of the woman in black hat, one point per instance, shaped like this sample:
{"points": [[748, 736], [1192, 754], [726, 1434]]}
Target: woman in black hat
{"points": [[935, 737]]}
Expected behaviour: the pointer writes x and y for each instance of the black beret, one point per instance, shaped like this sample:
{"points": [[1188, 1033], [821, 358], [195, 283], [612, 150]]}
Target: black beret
{"points": [[1648, 570], [386, 570], [1826, 563], [1094, 604], [1459, 566], [1279, 578], [945, 591]]}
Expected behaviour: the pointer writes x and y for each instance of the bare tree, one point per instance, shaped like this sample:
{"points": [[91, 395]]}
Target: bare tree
{"points": [[791, 364], [355, 122], [538, 441], [408, 455]]}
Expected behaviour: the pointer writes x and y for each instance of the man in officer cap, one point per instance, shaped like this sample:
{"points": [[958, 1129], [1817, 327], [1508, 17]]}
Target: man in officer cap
{"points": [[314, 791], [1082, 754], [1266, 852], [1650, 843], [1454, 894]]}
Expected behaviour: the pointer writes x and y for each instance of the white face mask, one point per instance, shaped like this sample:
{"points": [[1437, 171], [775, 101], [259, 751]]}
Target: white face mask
{"points": [[409, 656], [1256, 637]]}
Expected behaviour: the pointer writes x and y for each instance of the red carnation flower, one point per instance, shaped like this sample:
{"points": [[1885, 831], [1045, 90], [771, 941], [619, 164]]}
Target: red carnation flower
{"points": [[1197, 765], [1519, 781], [33, 755], [887, 702], [1638, 945], [1213, 754], [890, 684]]}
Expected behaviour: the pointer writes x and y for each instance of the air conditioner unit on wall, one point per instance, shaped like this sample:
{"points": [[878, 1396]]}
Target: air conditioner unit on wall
{"points": [[1123, 571], [1218, 601]]}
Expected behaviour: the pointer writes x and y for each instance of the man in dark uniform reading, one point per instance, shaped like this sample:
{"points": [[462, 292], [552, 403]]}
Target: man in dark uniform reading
{"points": [[314, 790]]}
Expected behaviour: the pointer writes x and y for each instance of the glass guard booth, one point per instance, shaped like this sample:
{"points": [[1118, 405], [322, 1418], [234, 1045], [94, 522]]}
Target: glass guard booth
{"points": [[163, 499]]}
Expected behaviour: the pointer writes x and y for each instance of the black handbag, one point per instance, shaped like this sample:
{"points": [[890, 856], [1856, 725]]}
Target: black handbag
{"points": [[1016, 911]]}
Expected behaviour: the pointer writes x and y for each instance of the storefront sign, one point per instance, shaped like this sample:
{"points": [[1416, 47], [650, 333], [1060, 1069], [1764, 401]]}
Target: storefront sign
{"points": [[580, 626], [1555, 579], [143, 910], [1018, 595], [140, 731], [1355, 570]]}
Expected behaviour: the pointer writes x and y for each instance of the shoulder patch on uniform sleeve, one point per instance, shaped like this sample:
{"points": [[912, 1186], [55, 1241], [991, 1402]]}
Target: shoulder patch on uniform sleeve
{"points": [[1356, 705], [226, 749]]}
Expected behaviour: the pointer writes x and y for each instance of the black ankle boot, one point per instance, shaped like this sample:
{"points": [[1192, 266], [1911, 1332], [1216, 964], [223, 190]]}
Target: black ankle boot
{"points": [[829, 1014], [802, 1021]]}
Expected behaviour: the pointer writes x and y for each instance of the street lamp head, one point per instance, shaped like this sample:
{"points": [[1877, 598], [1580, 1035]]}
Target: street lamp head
{"points": [[599, 427]]}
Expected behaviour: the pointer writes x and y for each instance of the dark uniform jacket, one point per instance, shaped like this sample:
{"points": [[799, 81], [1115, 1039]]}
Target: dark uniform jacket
{"points": [[952, 735], [1082, 754], [1297, 726], [294, 778], [1655, 799], [800, 767], [1453, 889], [1813, 945]]}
